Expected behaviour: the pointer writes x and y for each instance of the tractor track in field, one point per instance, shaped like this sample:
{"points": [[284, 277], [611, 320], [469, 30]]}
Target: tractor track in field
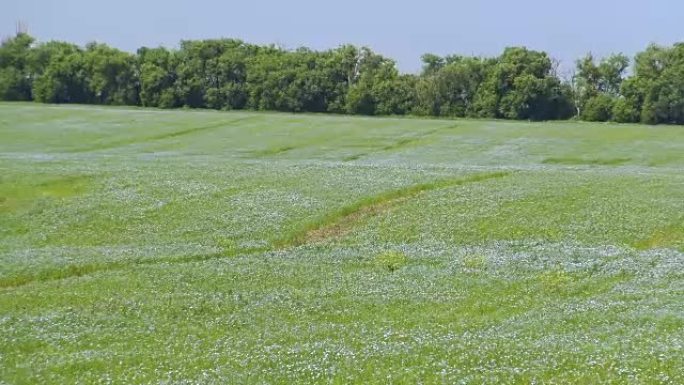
{"points": [[399, 144], [168, 135], [75, 271], [330, 226], [342, 221]]}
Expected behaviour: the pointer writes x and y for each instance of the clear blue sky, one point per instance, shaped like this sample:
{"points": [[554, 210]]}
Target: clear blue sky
{"points": [[403, 30]]}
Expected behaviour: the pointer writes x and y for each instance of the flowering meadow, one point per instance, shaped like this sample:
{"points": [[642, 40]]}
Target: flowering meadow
{"points": [[141, 246]]}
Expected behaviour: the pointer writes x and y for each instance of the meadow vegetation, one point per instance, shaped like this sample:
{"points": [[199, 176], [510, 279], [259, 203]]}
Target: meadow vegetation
{"points": [[200, 247]]}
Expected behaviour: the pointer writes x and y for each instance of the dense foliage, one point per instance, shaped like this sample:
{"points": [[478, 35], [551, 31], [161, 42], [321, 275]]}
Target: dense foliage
{"points": [[231, 74]]}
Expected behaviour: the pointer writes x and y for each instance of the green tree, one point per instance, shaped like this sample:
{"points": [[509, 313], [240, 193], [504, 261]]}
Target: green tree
{"points": [[15, 76], [372, 84], [598, 108], [113, 76], [451, 89], [521, 84], [231, 92], [65, 77], [598, 87], [432, 63], [157, 77], [658, 85], [627, 107]]}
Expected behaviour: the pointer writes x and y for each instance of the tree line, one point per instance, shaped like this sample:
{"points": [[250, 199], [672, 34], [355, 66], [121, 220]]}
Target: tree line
{"points": [[230, 74]]}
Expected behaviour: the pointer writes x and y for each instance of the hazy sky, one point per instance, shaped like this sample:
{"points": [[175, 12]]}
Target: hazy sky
{"points": [[403, 30]]}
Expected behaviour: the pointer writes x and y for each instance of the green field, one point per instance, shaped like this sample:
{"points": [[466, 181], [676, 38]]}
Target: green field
{"points": [[196, 247]]}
